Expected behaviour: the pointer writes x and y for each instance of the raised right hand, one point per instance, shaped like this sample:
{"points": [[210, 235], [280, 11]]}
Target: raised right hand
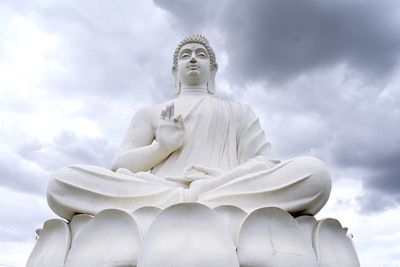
{"points": [[170, 131]]}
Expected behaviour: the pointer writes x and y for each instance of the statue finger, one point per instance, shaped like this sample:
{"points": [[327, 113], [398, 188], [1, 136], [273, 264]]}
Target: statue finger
{"points": [[200, 168], [181, 123], [172, 112], [188, 169], [162, 116], [167, 112], [207, 170], [196, 177], [178, 120]]}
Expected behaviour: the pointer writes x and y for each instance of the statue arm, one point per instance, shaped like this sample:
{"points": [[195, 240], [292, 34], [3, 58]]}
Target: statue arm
{"points": [[138, 151]]}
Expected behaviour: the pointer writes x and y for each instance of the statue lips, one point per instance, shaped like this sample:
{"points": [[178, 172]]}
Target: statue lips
{"points": [[193, 69]]}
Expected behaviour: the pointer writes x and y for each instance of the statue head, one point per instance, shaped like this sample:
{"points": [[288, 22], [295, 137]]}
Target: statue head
{"points": [[194, 63]]}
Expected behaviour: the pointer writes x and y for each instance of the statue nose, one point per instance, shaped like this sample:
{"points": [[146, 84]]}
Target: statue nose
{"points": [[192, 60]]}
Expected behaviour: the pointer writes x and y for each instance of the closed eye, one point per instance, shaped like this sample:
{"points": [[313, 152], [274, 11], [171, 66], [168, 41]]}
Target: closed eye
{"points": [[201, 53], [185, 55]]}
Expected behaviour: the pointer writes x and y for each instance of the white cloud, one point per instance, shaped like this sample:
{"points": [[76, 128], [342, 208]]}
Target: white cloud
{"points": [[15, 254], [21, 214]]}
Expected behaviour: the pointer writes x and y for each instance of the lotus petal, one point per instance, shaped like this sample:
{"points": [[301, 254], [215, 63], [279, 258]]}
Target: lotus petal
{"points": [[187, 234]]}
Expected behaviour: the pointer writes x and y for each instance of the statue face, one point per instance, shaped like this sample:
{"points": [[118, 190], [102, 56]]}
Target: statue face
{"points": [[193, 64]]}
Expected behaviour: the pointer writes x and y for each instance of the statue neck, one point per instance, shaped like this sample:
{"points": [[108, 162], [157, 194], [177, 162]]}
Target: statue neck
{"points": [[194, 90]]}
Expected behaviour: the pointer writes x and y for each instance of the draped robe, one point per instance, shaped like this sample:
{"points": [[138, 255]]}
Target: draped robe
{"points": [[219, 134]]}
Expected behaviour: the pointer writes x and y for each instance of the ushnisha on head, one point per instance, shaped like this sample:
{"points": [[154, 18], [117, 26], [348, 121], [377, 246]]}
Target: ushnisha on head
{"points": [[194, 64]]}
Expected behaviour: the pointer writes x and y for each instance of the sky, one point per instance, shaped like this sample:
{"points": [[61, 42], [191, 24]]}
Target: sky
{"points": [[323, 76]]}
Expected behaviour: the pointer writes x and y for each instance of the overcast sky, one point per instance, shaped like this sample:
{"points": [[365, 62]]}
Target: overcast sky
{"points": [[324, 77]]}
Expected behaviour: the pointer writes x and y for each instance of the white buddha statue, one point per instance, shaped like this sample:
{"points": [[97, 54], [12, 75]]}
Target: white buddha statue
{"points": [[193, 148]]}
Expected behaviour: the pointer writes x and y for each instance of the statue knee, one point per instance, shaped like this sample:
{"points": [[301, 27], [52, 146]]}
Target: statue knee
{"points": [[318, 173], [53, 200], [317, 184], [65, 172], [77, 173]]}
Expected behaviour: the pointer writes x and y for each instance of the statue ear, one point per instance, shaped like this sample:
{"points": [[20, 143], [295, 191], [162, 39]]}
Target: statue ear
{"points": [[211, 82], [177, 84]]}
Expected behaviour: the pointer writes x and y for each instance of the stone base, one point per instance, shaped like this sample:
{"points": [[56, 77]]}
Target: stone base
{"points": [[191, 234]]}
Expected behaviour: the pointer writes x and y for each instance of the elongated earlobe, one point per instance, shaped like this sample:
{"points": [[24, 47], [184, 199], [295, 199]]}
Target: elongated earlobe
{"points": [[211, 82], [177, 84]]}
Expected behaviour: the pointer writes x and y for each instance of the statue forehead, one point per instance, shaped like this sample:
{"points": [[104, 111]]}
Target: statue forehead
{"points": [[193, 46]]}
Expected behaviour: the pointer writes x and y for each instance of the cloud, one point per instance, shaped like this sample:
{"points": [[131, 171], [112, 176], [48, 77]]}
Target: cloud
{"points": [[20, 212], [190, 15], [20, 174], [381, 187], [32, 162], [69, 148], [373, 201], [280, 40], [348, 125], [96, 53], [366, 139]]}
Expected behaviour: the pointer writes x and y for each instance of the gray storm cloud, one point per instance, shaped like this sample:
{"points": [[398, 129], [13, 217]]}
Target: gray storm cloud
{"points": [[279, 40], [286, 45]]}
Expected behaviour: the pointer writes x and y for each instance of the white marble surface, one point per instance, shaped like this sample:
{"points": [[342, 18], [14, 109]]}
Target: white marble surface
{"points": [[111, 238], [333, 246], [191, 234], [272, 237], [232, 217], [52, 246], [187, 234], [144, 217]]}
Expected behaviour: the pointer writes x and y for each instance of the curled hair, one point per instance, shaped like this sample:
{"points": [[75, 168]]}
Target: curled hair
{"points": [[195, 38]]}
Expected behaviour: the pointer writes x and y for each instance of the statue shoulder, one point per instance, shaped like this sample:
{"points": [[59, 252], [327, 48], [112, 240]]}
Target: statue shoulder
{"points": [[149, 114], [247, 111], [244, 110], [144, 113]]}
